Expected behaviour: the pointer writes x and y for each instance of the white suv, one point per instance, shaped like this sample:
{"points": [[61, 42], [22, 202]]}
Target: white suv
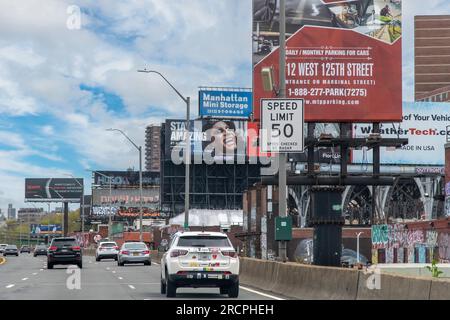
{"points": [[106, 250], [200, 259]]}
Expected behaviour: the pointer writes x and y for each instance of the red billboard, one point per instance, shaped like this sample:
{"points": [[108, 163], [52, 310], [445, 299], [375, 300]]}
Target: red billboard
{"points": [[342, 57]]}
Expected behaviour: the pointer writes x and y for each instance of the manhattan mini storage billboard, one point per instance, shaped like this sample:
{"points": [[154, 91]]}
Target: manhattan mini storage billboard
{"points": [[424, 124], [225, 103]]}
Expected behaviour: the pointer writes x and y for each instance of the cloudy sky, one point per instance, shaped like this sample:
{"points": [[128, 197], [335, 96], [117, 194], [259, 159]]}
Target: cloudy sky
{"points": [[61, 88]]}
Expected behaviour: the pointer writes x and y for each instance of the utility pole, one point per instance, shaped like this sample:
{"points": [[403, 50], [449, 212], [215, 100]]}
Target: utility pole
{"points": [[282, 205]]}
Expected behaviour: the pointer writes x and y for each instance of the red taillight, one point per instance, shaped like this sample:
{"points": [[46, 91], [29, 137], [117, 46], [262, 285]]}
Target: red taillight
{"points": [[227, 272], [182, 272], [125, 252], [53, 248], [146, 252], [231, 254], [76, 248], [177, 253], [116, 248]]}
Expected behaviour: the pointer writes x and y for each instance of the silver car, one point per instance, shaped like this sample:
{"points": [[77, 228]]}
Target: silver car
{"points": [[134, 252]]}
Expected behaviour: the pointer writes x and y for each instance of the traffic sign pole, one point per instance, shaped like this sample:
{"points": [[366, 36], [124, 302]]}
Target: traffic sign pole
{"points": [[282, 205]]}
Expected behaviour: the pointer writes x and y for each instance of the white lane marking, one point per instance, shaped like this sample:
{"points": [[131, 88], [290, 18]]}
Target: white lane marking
{"points": [[131, 287], [34, 273], [157, 264], [41, 269], [120, 278], [261, 294], [113, 271], [10, 286], [107, 268], [147, 299], [24, 279]]}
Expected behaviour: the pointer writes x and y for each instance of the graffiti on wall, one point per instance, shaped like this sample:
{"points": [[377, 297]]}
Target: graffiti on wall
{"points": [[396, 243]]}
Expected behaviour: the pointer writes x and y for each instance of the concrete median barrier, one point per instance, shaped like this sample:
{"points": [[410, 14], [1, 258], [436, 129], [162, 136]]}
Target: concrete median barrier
{"points": [[440, 290], [373, 286], [315, 282], [300, 281]]}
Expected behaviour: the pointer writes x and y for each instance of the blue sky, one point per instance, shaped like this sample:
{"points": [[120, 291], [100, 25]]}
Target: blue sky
{"points": [[60, 89]]}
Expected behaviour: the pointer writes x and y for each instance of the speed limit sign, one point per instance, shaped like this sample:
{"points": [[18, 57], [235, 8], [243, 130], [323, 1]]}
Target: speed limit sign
{"points": [[282, 125]]}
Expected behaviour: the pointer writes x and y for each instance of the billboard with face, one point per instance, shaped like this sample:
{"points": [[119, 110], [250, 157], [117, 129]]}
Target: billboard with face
{"points": [[211, 140], [342, 57]]}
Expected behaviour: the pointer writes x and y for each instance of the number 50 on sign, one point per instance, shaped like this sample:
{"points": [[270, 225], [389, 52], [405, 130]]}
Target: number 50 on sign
{"points": [[282, 125]]}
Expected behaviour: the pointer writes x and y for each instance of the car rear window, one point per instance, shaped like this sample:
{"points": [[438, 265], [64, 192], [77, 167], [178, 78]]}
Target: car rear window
{"points": [[64, 242], [41, 247], [135, 246], [203, 241], [11, 247], [108, 244]]}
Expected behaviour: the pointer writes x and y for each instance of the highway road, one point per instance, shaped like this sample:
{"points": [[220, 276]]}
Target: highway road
{"points": [[27, 278]]}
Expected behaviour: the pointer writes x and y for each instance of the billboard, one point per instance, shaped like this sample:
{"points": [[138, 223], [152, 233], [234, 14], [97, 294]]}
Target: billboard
{"points": [[126, 197], [224, 103], [125, 178], [218, 140], [425, 126], [127, 212], [42, 229], [342, 57], [53, 189]]}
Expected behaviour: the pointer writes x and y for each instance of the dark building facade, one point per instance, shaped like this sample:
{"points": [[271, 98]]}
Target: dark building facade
{"points": [[152, 148]]}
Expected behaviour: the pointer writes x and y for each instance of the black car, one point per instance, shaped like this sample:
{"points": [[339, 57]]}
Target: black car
{"points": [[64, 250], [40, 250], [11, 250], [26, 249]]}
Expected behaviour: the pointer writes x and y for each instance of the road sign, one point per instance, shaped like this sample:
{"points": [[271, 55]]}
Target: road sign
{"points": [[97, 238], [282, 125]]}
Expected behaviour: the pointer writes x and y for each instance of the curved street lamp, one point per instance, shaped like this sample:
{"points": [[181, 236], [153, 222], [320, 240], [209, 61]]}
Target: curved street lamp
{"points": [[187, 100], [139, 148]]}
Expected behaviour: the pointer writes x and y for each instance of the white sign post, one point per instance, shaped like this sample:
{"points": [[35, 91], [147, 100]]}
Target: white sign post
{"points": [[282, 122]]}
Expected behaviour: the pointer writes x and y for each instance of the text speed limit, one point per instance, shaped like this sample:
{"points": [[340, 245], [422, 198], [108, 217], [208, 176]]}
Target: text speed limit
{"points": [[282, 125]]}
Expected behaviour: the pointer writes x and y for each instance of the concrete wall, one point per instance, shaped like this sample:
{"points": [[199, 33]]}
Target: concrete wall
{"points": [[314, 282]]}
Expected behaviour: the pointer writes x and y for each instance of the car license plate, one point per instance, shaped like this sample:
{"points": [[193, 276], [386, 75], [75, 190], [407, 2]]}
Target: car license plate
{"points": [[204, 258], [64, 250], [135, 253]]}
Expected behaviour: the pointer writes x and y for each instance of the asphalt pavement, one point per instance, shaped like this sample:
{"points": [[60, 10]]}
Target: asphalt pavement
{"points": [[27, 278]]}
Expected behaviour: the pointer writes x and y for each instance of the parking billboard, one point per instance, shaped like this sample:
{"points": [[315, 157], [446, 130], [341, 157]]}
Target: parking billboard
{"points": [[425, 126], [53, 189], [343, 57], [224, 103]]}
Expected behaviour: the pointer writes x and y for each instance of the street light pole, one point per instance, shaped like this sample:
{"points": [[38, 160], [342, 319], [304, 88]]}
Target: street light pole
{"points": [[187, 156], [139, 148], [82, 205], [110, 203], [357, 245]]}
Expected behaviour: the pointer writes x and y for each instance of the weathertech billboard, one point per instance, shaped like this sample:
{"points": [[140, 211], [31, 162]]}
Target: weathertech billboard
{"points": [[342, 57], [425, 124], [53, 189]]}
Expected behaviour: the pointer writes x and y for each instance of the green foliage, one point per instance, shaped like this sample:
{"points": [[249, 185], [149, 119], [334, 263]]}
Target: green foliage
{"points": [[435, 272]]}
